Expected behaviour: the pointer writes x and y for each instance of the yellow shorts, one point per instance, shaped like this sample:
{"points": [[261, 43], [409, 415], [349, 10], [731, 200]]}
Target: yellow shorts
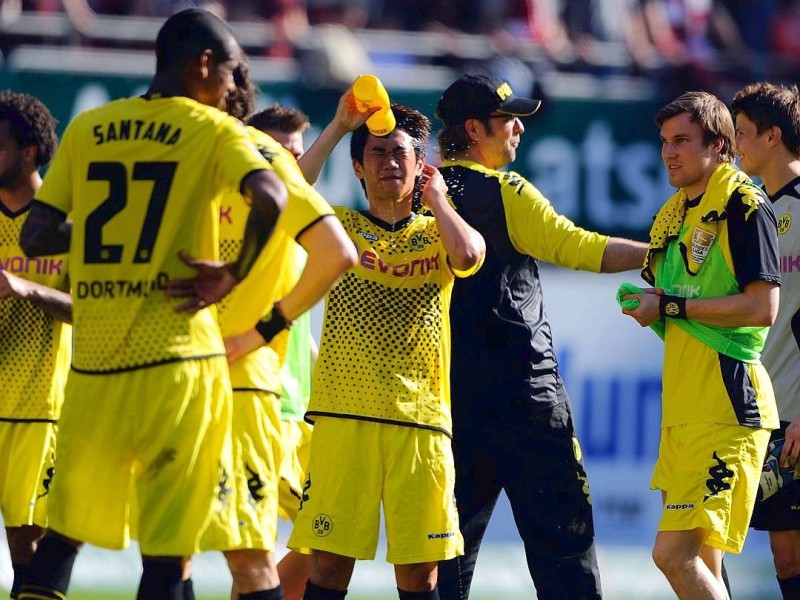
{"points": [[296, 452], [256, 456], [27, 453], [356, 465], [710, 474], [161, 433]]}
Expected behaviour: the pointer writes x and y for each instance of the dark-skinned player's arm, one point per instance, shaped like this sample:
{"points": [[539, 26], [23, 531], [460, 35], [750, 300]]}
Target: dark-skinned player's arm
{"points": [[267, 196], [330, 253]]}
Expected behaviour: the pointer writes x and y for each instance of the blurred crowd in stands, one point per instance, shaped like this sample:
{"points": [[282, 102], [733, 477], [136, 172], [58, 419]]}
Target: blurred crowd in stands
{"points": [[681, 44]]}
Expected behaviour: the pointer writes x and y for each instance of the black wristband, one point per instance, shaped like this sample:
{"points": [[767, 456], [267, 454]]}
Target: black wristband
{"points": [[272, 324], [672, 307]]}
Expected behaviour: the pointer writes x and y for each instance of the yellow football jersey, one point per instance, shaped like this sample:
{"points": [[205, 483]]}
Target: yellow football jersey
{"points": [[34, 347], [273, 274], [385, 346], [141, 180]]}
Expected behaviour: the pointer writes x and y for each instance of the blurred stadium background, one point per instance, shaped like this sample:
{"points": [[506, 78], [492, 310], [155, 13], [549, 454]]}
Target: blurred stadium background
{"points": [[603, 68]]}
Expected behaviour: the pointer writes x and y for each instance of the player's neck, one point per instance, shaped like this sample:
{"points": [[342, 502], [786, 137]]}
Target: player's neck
{"points": [[777, 173], [19, 193], [475, 153], [391, 211], [165, 85]]}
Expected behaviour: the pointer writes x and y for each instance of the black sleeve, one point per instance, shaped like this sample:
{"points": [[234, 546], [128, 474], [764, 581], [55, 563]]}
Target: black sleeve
{"points": [[753, 241]]}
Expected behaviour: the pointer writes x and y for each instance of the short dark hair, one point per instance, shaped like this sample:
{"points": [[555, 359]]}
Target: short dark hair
{"points": [[454, 139], [413, 122], [30, 124], [280, 118], [189, 32], [769, 105], [710, 113]]}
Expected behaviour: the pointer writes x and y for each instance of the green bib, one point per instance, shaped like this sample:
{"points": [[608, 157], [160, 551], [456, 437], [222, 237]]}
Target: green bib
{"points": [[713, 280]]}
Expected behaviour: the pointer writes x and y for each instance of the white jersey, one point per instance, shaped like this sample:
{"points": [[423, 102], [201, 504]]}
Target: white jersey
{"points": [[781, 355]]}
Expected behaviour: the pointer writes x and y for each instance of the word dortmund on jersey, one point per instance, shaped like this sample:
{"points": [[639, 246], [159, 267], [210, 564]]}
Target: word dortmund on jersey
{"points": [[274, 272], [141, 179], [385, 347], [34, 347]]}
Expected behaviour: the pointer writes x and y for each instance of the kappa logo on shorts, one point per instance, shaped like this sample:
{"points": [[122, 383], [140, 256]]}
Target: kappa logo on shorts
{"points": [[225, 490], [322, 525], [47, 481], [719, 473], [306, 486], [441, 536], [254, 484]]}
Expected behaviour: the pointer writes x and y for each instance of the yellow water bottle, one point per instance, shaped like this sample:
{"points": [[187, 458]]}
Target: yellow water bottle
{"points": [[369, 92]]}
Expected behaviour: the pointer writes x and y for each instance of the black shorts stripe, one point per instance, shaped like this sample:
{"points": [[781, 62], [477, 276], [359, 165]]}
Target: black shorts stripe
{"points": [[311, 414], [740, 391], [166, 361]]}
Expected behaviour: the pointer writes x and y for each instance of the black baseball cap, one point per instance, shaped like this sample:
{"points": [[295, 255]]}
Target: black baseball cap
{"points": [[477, 96]]}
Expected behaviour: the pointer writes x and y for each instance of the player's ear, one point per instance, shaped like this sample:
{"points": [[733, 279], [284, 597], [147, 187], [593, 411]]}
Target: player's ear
{"points": [[29, 154], [472, 127], [774, 134], [358, 169], [203, 64], [196, 69]]}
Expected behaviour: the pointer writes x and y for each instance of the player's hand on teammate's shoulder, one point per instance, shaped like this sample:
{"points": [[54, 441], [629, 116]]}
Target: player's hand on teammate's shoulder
{"points": [[213, 282]]}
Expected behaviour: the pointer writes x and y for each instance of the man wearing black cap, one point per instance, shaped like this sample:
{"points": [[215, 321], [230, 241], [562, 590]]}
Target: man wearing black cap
{"points": [[512, 422], [144, 444]]}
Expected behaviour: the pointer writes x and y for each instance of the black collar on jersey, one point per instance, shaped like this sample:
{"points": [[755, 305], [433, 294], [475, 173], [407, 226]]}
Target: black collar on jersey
{"points": [[10, 213], [693, 202], [388, 226], [790, 189]]}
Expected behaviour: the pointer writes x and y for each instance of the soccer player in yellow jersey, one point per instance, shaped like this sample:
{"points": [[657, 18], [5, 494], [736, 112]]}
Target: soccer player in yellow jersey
{"points": [[714, 266], [147, 408], [34, 343], [272, 287], [380, 394], [286, 125]]}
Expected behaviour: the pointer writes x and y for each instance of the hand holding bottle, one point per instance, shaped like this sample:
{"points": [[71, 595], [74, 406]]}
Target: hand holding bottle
{"points": [[369, 92]]}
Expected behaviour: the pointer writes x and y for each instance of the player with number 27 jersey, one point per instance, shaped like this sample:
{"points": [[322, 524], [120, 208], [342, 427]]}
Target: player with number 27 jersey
{"points": [[141, 180], [125, 245]]}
